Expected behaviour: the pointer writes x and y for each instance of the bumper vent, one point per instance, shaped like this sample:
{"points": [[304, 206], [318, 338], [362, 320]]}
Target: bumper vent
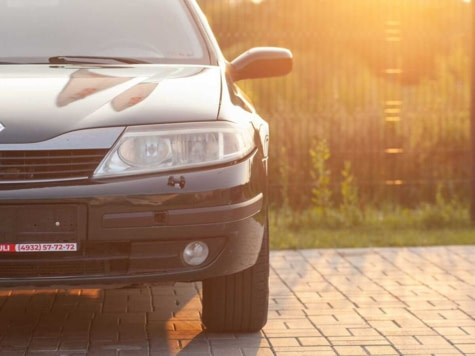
{"points": [[62, 269], [48, 165]]}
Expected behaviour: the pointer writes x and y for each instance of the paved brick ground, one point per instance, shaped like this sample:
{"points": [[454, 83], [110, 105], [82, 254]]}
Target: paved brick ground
{"points": [[418, 301]]}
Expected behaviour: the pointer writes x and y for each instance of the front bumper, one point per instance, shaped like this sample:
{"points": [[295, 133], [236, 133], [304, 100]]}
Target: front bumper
{"points": [[134, 230]]}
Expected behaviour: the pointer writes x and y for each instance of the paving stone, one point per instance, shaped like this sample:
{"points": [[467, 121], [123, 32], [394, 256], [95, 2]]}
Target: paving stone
{"points": [[331, 330], [313, 341], [385, 301], [319, 352], [467, 348], [74, 345], [4, 352], [381, 350], [188, 325], [44, 344], [284, 341], [350, 351], [257, 352], [293, 333]]}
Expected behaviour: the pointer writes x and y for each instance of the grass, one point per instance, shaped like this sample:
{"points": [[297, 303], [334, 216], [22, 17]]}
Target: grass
{"points": [[425, 226], [368, 237]]}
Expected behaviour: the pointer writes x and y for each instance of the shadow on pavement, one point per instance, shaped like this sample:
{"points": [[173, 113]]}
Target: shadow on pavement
{"points": [[158, 320]]}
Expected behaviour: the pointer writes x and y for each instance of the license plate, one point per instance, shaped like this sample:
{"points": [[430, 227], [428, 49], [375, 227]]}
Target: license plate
{"points": [[42, 224], [39, 247]]}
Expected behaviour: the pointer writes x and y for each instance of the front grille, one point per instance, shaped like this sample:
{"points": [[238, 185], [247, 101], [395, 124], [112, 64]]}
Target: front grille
{"points": [[22, 166]]}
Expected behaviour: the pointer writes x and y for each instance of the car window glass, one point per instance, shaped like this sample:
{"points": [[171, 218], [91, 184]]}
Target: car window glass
{"points": [[155, 31]]}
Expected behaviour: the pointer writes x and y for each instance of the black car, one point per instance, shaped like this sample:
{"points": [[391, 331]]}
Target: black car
{"points": [[129, 156]]}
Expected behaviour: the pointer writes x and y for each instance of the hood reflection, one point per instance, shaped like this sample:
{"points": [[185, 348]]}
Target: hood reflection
{"points": [[83, 83], [133, 96], [86, 82]]}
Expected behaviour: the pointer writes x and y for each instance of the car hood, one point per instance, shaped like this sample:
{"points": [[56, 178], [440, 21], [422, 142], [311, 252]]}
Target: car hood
{"points": [[40, 102]]}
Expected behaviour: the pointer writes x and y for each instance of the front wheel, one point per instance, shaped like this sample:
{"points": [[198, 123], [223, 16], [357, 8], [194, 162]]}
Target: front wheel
{"points": [[239, 302]]}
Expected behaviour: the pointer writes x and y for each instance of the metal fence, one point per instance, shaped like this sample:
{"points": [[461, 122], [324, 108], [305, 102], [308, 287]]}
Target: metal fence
{"points": [[386, 83]]}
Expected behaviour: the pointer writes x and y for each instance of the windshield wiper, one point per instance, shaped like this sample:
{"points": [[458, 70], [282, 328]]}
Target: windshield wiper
{"points": [[93, 60]]}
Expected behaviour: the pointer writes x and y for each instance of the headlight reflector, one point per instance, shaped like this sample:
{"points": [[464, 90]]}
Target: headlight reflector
{"points": [[156, 148], [144, 151]]}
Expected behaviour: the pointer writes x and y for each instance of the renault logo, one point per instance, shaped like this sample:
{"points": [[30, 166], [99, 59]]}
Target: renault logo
{"points": [[1, 127]]}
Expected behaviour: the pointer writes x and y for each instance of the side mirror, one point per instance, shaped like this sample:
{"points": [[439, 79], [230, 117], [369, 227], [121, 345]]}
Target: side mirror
{"points": [[262, 62]]}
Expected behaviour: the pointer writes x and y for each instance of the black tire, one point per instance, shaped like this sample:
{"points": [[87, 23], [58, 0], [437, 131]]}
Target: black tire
{"points": [[239, 302]]}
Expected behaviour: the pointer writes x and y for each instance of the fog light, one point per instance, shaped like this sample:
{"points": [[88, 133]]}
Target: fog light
{"points": [[195, 253]]}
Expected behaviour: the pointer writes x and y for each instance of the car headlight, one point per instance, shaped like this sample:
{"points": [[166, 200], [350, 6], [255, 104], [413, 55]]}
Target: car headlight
{"points": [[158, 148]]}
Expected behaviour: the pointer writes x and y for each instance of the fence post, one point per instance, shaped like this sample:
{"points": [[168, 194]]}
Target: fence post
{"points": [[472, 114]]}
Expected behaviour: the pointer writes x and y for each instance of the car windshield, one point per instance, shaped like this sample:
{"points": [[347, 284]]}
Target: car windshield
{"points": [[99, 31]]}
